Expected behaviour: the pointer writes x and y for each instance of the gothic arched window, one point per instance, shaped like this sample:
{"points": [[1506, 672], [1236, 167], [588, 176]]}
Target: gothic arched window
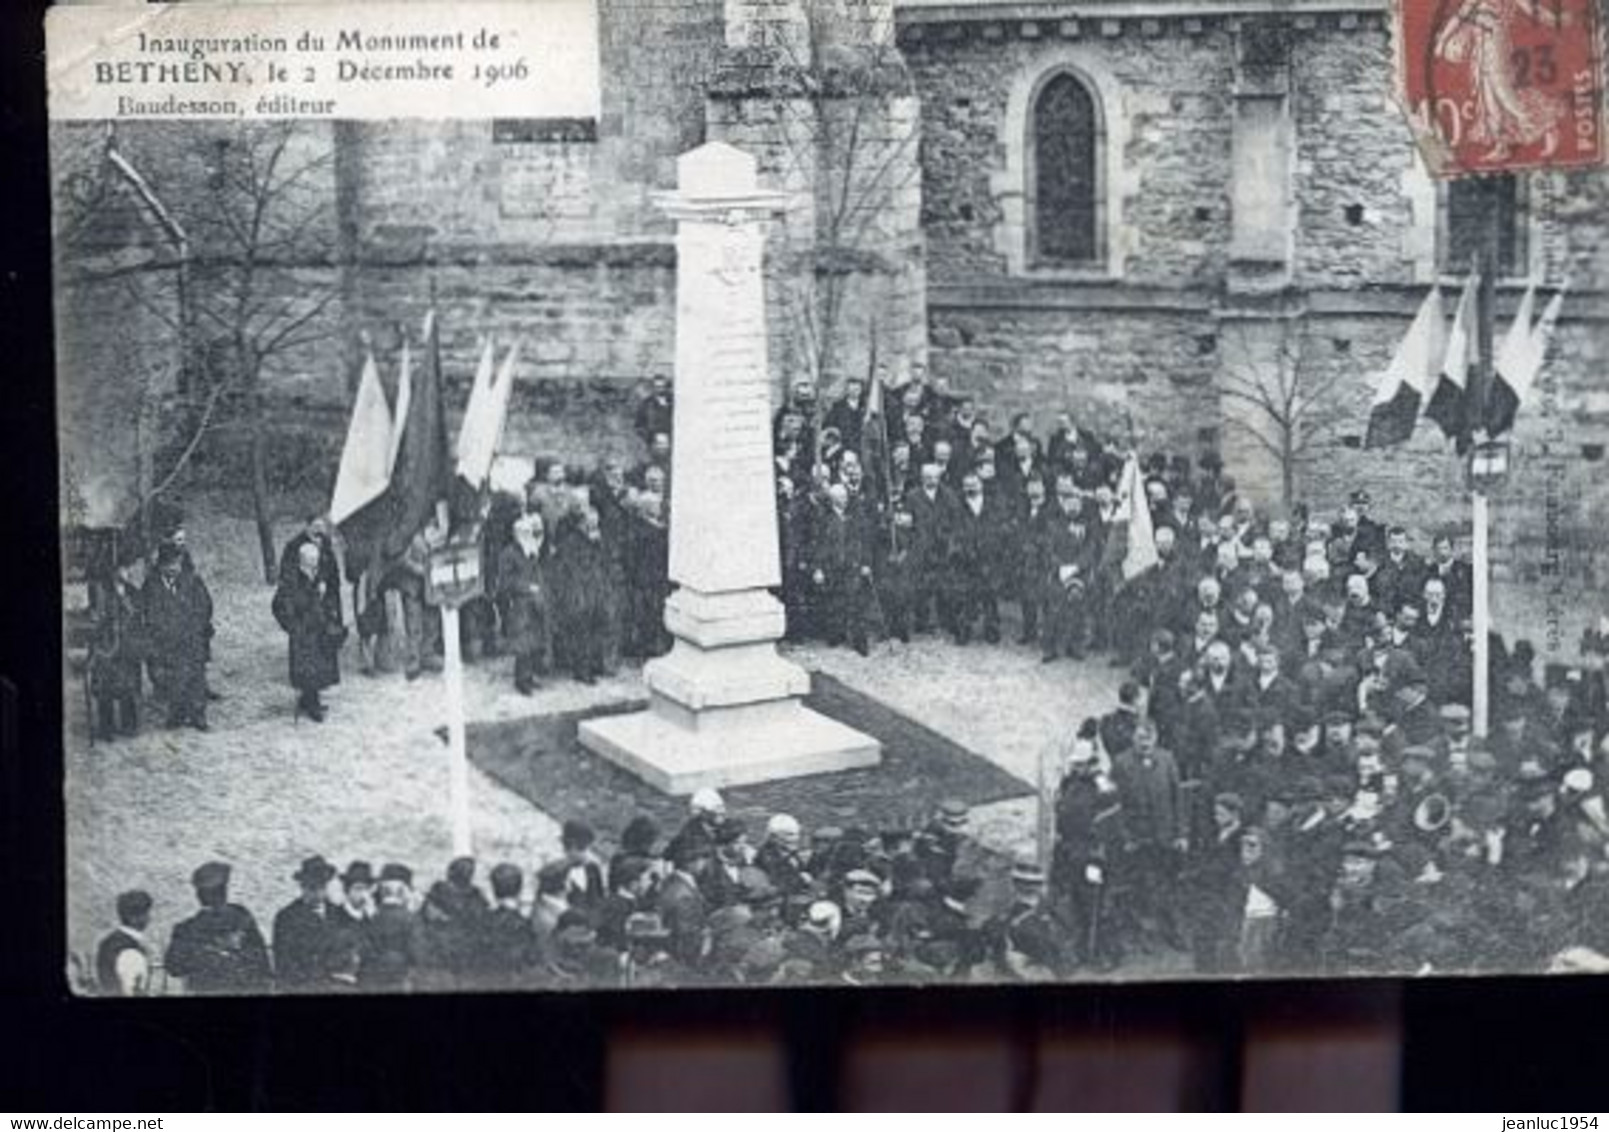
{"points": [[1064, 214]]}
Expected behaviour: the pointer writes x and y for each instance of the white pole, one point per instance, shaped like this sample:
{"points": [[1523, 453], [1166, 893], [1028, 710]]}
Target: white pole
{"points": [[457, 747], [1481, 614]]}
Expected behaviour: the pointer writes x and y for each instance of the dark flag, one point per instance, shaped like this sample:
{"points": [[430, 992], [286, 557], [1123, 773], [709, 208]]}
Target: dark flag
{"points": [[421, 475], [1401, 392], [1450, 403]]}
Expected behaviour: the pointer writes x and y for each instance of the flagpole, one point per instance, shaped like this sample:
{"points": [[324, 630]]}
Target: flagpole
{"points": [[457, 745], [1480, 514]]}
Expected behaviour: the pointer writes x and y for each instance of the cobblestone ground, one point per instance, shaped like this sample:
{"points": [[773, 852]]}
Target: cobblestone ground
{"points": [[262, 790]]}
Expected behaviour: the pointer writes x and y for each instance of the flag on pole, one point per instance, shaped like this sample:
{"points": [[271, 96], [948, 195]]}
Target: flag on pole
{"points": [[1450, 403], [1131, 539], [399, 416], [366, 456], [1401, 391], [475, 412], [1519, 360], [477, 444], [422, 473]]}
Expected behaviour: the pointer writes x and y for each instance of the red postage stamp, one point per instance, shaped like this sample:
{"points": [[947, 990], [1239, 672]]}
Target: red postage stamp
{"points": [[1502, 85]]}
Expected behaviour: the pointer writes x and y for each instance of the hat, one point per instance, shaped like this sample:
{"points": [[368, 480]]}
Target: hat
{"points": [[461, 870], [639, 836], [646, 925], [1578, 780], [827, 834], [1027, 873], [1454, 713], [358, 872], [823, 914], [1359, 498], [213, 874], [862, 878], [576, 834], [314, 870], [707, 800], [729, 832], [782, 825], [953, 813], [394, 871], [1336, 718]]}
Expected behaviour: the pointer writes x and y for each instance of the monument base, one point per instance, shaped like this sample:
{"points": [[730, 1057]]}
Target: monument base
{"points": [[777, 740]]}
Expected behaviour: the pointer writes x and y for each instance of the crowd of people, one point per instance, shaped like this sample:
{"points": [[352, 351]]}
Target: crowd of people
{"points": [[1288, 781], [712, 904]]}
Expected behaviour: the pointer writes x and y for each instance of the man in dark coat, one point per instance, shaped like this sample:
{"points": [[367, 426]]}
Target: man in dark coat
{"points": [[1156, 828], [306, 932], [508, 945], [1074, 555], [390, 946], [219, 950], [682, 904], [307, 606], [522, 601], [647, 579], [1087, 816], [931, 506], [842, 573], [584, 598], [656, 412], [451, 923], [977, 530], [1033, 520], [178, 624]]}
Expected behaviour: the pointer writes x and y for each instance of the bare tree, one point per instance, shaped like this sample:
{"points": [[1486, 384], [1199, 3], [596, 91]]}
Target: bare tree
{"points": [[1277, 398], [838, 85], [257, 229]]}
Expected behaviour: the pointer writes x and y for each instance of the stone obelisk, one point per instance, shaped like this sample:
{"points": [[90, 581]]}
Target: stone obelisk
{"points": [[725, 709]]}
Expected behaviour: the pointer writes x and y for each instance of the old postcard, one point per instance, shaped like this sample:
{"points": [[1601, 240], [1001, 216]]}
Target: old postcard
{"points": [[567, 494]]}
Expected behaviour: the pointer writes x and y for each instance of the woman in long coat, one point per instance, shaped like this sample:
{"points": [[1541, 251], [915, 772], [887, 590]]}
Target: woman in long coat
{"points": [[308, 607]]}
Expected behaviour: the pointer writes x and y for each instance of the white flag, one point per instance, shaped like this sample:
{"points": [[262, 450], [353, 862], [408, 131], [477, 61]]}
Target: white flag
{"points": [[366, 457], [475, 411]]}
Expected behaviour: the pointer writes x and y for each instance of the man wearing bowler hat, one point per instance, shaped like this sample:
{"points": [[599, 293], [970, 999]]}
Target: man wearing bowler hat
{"points": [[391, 937], [305, 930], [219, 950]]}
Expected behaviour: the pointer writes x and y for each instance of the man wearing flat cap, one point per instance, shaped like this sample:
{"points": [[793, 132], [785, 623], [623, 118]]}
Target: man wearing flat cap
{"points": [[940, 842], [305, 931], [219, 950], [1027, 940]]}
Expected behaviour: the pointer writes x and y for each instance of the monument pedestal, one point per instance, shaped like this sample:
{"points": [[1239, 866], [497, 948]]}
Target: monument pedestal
{"points": [[724, 708]]}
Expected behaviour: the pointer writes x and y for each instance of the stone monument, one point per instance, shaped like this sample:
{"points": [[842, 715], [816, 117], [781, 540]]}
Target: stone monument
{"points": [[725, 709]]}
